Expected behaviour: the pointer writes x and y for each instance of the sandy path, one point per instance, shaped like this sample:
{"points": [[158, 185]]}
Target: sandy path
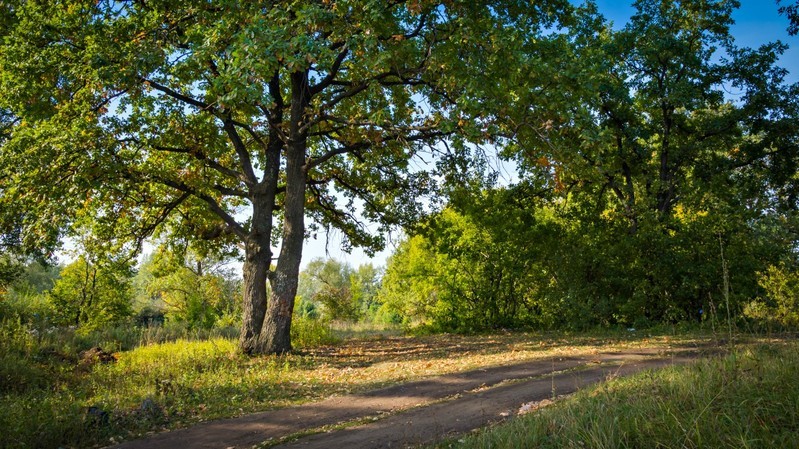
{"points": [[415, 412]]}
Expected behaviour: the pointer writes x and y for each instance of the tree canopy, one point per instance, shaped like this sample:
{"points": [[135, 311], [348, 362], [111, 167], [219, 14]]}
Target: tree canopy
{"points": [[231, 122]]}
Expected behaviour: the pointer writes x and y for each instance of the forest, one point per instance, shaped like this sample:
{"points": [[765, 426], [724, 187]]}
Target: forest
{"points": [[537, 167]]}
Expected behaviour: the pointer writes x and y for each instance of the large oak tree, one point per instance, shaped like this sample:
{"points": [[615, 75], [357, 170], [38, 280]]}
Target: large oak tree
{"points": [[235, 121]]}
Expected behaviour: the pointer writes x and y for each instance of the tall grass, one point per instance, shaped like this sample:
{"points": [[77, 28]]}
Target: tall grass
{"points": [[163, 376], [49, 397], [50, 401], [308, 332], [747, 399]]}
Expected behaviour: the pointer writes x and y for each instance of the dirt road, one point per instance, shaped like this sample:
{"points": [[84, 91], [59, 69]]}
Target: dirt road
{"points": [[416, 412]]}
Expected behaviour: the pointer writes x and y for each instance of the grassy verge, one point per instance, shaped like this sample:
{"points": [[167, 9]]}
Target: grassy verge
{"points": [[746, 399], [48, 398]]}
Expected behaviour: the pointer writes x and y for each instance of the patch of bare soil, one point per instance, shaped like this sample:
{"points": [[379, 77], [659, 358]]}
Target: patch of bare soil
{"points": [[416, 412]]}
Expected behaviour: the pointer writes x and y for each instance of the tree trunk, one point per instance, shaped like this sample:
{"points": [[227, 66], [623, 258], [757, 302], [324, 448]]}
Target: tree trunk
{"points": [[276, 332], [276, 335], [257, 263], [665, 194], [255, 272]]}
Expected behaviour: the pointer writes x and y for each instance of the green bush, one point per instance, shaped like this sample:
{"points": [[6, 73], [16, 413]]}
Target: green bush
{"points": [[307, 332], [780, 306]]}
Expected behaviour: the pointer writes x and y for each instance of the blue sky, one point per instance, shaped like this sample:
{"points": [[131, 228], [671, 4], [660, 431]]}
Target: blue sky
{"points": [[757, 22]]}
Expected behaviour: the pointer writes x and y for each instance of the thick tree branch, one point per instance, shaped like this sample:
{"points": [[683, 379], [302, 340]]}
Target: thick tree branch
{"points": [[229, 127], [315, 162], [177, 95], [230, 191], [331, 76], [356, 88]]}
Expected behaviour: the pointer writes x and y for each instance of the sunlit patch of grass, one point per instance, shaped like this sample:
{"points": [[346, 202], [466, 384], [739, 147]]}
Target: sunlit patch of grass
{"points": [[308, 333], [748, 398]]}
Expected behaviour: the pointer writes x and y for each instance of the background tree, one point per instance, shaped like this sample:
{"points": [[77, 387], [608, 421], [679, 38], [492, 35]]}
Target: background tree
{"points": [[779, 305], [91, 294], [364, 284], [647, 192], [10, 271], [334, 290], [791, 11], [478, 264], [187, 288], [36, 277], [235, 120], [663, 179], [410, 288]]}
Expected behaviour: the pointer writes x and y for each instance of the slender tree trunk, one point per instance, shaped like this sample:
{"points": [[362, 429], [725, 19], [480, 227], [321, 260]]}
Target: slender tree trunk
{"points": [[276, 332], [257, 262], [665, 195]]}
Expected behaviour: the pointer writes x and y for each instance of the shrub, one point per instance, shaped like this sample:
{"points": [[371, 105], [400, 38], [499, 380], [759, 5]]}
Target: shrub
{"points": [[780, 306], [307, 332]]}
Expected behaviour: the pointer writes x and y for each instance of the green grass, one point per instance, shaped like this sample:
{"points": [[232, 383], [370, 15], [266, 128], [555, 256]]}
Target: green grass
{"points": [[748, 398]]}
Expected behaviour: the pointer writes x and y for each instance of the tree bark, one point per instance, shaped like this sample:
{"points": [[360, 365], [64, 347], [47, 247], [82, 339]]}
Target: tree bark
{"points": [[258, 261], [255, 273], [276, 333]]}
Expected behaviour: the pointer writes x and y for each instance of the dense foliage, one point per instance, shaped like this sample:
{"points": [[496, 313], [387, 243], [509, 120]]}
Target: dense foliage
{"points": [[548, 170], [647, 192]]}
